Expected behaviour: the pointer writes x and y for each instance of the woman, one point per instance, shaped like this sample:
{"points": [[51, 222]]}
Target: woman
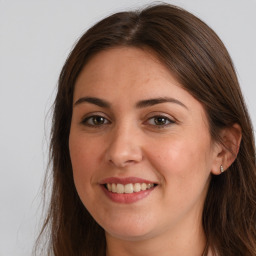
{"points": [[152, 147]]}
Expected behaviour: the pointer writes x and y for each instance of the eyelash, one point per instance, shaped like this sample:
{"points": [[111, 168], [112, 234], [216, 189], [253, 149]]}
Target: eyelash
{"points": [[90, 121]]}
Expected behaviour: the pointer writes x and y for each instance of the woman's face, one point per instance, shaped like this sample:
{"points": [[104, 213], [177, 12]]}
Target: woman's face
{"points": [[140, 146]]}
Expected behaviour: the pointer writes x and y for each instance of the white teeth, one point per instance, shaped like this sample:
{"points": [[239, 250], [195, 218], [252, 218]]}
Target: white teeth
{"points": [[136, 187], [143, 186], [113, 188], [128, 188], [120, 188]]}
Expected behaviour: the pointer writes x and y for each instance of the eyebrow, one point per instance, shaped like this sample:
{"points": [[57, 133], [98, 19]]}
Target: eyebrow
{"points": [[141, 104], [151, 102], [96, 101]]}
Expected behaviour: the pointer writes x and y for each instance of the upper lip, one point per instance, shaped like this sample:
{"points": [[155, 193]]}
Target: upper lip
{"points": [[126, 180]]}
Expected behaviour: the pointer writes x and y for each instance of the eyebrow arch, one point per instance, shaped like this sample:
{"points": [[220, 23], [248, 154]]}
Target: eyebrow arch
{"points": [[151, 102], [141, 104], [96, 101]]}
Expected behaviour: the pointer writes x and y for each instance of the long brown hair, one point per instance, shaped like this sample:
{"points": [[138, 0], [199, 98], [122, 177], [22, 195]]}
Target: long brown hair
{"points": [[200, 62]]}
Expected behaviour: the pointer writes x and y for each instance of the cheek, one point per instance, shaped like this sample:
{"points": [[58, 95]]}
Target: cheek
{"points": [[84, 162], [83, 152], [182, 161]]}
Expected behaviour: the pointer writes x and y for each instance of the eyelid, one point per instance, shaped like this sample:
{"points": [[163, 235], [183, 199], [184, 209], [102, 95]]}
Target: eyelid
{"points": [[95, 113], [160, 114]]}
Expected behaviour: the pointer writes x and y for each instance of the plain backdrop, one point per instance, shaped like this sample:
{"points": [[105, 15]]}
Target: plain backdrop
{"points": [[35, 39]]}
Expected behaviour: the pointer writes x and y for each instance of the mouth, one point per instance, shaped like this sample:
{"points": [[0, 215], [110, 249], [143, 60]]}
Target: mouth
{"points": [[128, 188]]}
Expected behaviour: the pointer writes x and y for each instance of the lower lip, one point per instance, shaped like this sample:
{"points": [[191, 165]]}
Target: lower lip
{"points": [[127, 198]]}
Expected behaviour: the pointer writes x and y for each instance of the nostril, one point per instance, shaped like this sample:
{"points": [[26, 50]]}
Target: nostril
{"points": [[121, 163]]}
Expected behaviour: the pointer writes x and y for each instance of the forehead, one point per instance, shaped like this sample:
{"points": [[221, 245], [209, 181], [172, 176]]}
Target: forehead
{"points": [[127, 68]]}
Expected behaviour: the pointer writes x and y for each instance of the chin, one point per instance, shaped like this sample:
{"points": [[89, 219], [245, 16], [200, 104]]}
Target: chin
{"points": [[129, 232], [129, 236]]}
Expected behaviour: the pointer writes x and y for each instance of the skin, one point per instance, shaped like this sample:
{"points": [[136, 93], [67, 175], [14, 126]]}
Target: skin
{"points": [[178, 154]]}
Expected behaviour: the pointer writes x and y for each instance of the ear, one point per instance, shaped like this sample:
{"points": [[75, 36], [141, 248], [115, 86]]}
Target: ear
{"points": [[227, 149]]}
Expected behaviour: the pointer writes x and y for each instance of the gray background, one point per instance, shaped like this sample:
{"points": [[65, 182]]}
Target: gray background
{"points": [[35, 39]]}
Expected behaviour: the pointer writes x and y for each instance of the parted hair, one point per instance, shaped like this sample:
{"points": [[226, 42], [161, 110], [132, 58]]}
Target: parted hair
{"points": [[197, 58]]}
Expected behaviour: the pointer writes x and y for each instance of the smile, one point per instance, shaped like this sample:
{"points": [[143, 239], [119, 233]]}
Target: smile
{"points": [[128, 188]]}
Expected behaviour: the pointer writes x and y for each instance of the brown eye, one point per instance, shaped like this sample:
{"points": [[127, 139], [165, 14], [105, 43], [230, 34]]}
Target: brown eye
{"points": [[98, 120], [160, 121], [95, 121]]}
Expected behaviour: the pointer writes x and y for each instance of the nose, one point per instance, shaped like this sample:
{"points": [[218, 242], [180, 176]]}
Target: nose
{"points": [[124, 147]]}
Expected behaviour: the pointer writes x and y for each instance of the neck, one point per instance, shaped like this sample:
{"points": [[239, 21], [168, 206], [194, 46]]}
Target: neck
{"points": [[180, 242]]}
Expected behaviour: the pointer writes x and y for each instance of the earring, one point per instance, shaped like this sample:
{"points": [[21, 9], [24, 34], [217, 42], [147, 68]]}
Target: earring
{"points": [[221, 169]]}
